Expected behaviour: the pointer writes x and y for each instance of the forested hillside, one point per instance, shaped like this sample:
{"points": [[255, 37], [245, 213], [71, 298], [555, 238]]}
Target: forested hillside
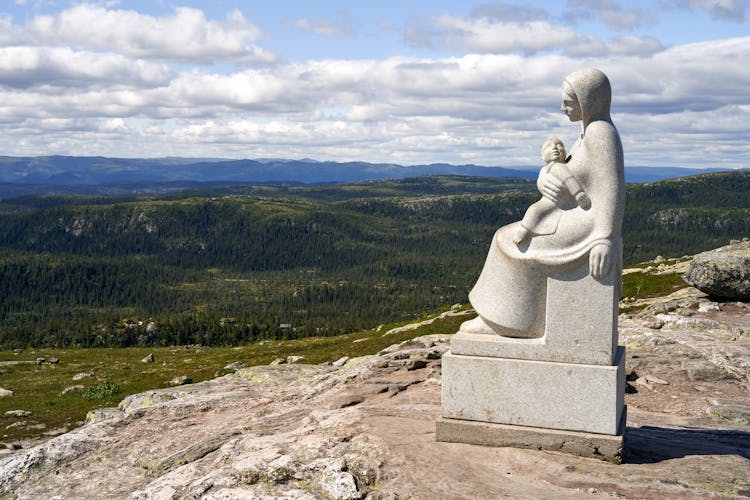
{"points": [[686, 215], [235, 265]]}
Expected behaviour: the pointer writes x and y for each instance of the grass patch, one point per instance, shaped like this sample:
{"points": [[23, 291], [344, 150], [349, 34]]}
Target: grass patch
{"points": [[644, 285], [119, 372]]}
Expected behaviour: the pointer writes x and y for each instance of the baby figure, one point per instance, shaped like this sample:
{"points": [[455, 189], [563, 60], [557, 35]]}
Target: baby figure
{"points": [[542, 217]]}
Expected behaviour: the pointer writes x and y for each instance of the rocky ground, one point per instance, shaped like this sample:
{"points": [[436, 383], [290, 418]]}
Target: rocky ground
{"points": [[367, 429]]}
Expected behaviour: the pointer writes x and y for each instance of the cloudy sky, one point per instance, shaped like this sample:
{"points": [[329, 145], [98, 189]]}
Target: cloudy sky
{"points": [[407, 81]]}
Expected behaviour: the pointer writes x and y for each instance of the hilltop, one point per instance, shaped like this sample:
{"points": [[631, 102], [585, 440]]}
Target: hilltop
{"points": [[364, 428]]}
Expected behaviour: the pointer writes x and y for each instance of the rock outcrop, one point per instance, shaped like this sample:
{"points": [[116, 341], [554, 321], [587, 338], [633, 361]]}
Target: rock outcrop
{"points": [[366, 429], [723, 272]]}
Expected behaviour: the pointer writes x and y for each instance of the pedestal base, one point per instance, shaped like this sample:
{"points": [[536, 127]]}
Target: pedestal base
{"points": [[564, 396], [584, 444]]}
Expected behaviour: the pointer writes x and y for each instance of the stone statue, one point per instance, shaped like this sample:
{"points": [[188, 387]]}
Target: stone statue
{"points": [[540, 367], [543, 216], [510, 294]]}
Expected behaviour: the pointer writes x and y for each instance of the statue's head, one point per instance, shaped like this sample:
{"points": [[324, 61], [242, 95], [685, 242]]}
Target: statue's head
{"points": [[553, 150], [587, 95]]}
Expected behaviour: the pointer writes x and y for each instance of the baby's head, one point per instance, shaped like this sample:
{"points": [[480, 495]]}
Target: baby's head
{"points": [[553, 150]]}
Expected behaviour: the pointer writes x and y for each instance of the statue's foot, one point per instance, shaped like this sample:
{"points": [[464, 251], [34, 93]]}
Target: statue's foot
{"points": [[476, 325]]}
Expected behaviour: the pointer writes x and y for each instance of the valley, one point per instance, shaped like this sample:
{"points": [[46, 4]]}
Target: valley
{"points": [[231, 267]]}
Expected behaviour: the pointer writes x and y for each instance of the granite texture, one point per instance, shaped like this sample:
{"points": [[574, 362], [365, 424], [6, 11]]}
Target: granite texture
{"points": [[566, 396], [580, 325]]}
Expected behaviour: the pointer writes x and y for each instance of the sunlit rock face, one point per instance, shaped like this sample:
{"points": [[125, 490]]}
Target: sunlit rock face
{"points": [[723, 272]]}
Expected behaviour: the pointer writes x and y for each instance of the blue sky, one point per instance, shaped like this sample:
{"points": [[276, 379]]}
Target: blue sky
{"points": [[405, 82]]}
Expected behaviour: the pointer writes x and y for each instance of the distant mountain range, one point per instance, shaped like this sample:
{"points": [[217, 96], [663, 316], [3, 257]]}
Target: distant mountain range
{"points": [[21, 176]]}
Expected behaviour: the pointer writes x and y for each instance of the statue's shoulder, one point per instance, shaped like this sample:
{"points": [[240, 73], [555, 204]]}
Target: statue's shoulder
{"points": [[600, 129], [602, 138]]}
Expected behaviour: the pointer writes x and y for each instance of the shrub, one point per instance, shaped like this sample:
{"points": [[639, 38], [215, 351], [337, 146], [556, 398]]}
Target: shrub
{"points": [[101, 391]]}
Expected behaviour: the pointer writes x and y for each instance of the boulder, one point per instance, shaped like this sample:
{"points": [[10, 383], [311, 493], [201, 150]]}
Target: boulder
{"points": [[72, 388], [340, 362], [17, 413], [82, 375], [148, 359], [237, 365], [337, 483], [4, 393], [181, 380], [230, 368], [723, 272], [653, 323]]}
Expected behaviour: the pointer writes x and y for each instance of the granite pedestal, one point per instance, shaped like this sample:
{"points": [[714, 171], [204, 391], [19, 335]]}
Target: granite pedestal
{"points": [[563, 391]]}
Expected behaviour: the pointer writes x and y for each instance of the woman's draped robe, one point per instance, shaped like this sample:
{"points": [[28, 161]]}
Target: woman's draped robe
{"points": [[510, 294]]}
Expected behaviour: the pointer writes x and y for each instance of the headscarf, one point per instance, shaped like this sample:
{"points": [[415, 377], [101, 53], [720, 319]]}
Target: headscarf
{"points": [[594, 94]]}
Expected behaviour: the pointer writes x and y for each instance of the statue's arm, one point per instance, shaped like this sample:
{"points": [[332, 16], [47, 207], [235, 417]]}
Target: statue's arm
{"points": [[573, 186], [550, 186], [606, 176], [571, 183]]}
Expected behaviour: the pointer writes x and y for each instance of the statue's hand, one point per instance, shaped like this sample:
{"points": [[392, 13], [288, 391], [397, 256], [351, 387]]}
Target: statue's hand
{"points": [[551, 187], [583, 200], [600, 261]]}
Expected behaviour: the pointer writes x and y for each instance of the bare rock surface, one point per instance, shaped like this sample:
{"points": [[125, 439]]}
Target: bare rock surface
{"points": [[367, 430]]}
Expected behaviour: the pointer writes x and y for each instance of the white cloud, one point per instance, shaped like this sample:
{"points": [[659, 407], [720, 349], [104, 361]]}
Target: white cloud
{"points": [[488, 35], [610, 13], [484, 35], [724, 10], [486, 108], [114, 125], [22, 67], [700, 76], [185, 36]]}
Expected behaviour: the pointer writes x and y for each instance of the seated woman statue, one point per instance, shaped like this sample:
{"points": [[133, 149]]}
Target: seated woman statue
{"points": [[511, 292]]}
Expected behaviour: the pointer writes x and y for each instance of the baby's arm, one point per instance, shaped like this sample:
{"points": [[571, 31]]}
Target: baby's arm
{"points": [[575, 188]]}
